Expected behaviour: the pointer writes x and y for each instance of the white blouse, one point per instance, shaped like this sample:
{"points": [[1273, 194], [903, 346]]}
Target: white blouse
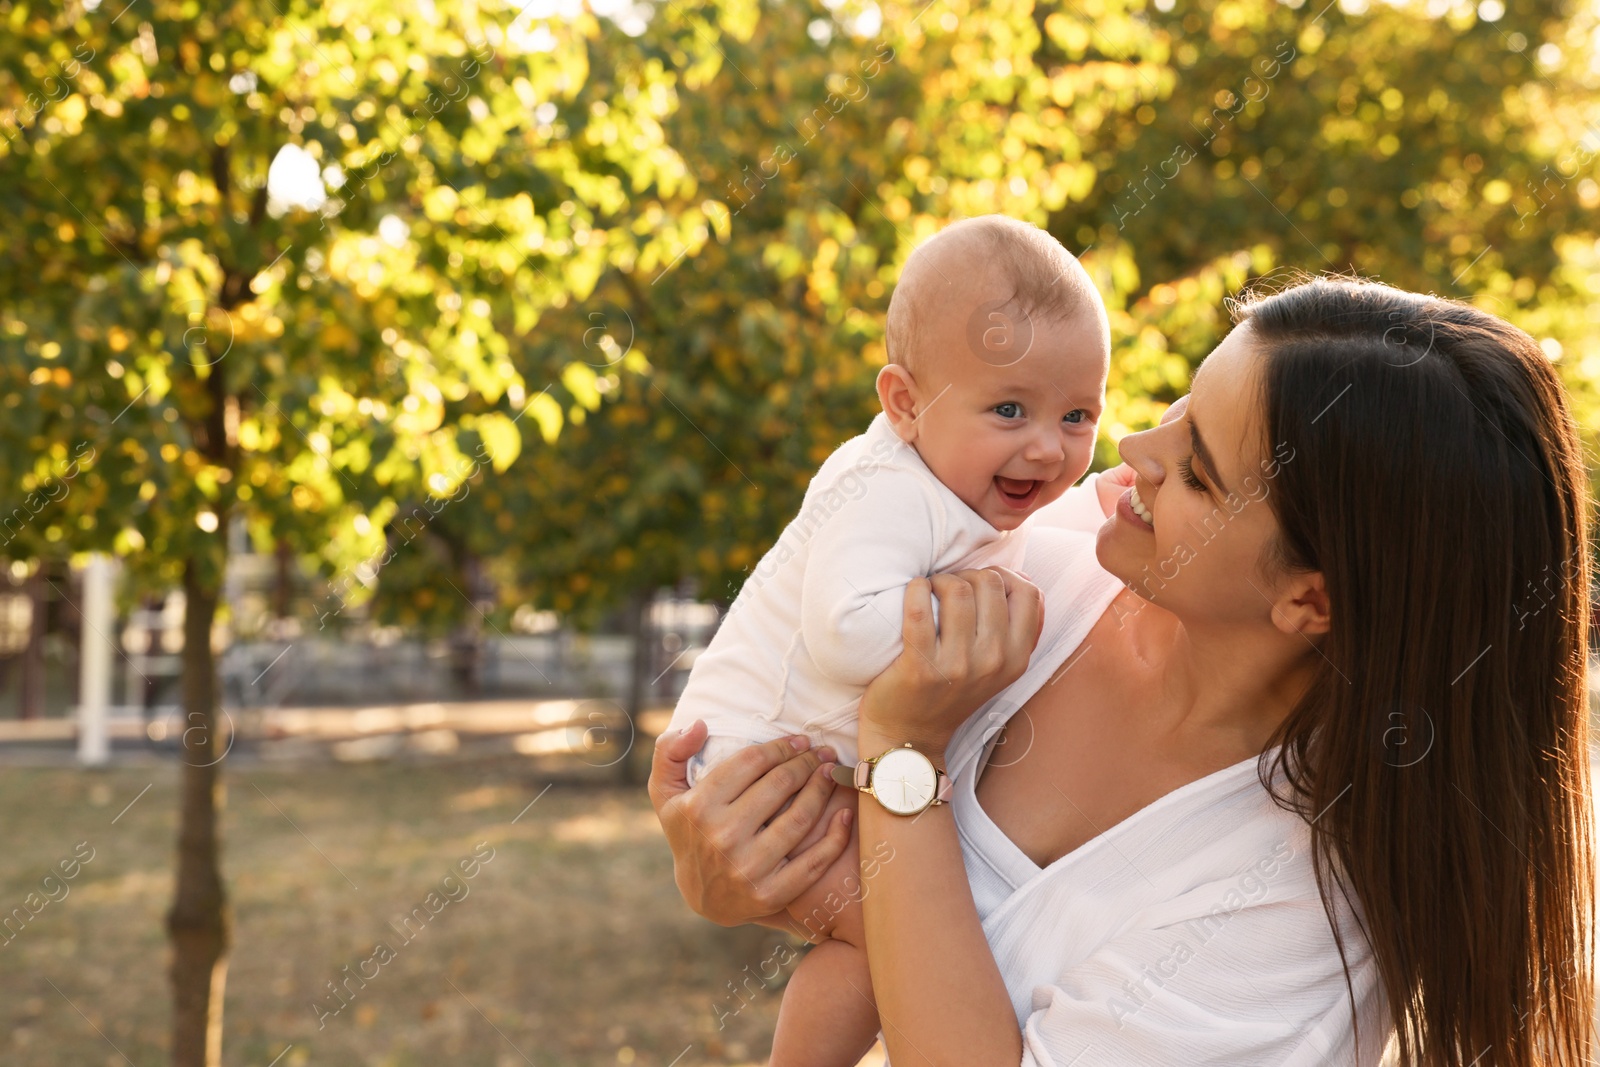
{"points": [[1191, 933]]}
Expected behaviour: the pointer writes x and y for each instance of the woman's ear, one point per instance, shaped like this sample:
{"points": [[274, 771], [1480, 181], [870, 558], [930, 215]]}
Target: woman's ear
{"points": [[1303, 606], [897, 392]]}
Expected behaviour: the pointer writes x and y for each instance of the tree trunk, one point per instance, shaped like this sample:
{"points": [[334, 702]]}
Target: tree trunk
{"points": [[282, 579], [199, 923], [467, 641], [32, 695], [638, 676]]}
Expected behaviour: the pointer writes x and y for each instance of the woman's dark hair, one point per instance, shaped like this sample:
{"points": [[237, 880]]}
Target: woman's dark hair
{"points": [[1441, 754]]}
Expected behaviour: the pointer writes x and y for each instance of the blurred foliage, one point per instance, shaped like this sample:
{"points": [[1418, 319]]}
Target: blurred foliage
{"points": [[1416, 145], [183, 340], [1185, 154], [597, 294]]}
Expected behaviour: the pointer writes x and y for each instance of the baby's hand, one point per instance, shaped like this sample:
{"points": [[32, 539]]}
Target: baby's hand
{"points": [[1111, 484], [1114, 482]]}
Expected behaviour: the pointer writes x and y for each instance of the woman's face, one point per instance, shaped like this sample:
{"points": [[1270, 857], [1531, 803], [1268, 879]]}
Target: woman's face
{"points": [[1201, 479]]}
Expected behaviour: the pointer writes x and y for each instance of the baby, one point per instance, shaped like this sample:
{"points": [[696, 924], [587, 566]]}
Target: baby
{"points": [[998, 347]]}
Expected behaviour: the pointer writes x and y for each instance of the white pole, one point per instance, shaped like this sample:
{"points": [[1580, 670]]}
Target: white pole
{"points": [[94, 677]]}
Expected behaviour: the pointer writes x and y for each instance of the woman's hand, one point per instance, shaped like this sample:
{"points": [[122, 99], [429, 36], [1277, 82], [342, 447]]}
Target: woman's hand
{"points": [[730, 844], [989, 621]]}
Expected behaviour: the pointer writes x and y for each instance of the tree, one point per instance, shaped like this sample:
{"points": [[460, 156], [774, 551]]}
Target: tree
{"points": [[712, 385], [1444, 148], [829, 143], [275, 265], [1183, 153], [584, 302]]}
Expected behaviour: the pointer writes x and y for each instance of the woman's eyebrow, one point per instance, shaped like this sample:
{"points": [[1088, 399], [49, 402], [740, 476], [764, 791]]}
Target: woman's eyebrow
{"points": [[1204, 453]]}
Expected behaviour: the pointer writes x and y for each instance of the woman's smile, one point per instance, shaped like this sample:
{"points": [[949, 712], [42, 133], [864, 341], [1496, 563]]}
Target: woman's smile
{"points": [[1129, 506]]}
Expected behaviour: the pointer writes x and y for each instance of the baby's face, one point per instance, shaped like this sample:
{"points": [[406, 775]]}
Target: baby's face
{"points": [[1009, 435]]}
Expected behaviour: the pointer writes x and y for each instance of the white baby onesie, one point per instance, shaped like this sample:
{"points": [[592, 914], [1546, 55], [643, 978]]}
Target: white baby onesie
{"points": [[820, 615]]}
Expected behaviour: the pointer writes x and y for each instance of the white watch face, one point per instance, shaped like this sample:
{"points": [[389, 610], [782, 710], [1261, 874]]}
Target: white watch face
{"points": [[903, 780]]}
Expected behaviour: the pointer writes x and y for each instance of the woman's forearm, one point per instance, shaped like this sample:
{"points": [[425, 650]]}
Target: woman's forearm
{"points": [[940, 996], [941, 999]]}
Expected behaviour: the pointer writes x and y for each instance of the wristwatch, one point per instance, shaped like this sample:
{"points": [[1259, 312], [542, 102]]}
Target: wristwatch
{"points": [[903, 780]]}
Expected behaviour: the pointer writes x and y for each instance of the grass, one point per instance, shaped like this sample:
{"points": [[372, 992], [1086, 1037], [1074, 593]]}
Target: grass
{"points": [[570, 946]]}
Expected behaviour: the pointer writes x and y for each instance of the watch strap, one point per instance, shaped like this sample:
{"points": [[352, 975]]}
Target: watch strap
{"points": [[863, 774]]}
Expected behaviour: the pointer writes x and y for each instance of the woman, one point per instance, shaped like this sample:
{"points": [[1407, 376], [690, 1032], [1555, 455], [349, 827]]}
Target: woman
{"points": [[1302, 751]]}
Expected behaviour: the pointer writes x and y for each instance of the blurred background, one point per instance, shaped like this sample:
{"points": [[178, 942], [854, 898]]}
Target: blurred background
{"points": [[397, 393]]}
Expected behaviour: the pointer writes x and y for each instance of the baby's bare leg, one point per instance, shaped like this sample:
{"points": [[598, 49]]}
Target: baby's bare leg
{"points": [[831, 907], [829, 1017]]}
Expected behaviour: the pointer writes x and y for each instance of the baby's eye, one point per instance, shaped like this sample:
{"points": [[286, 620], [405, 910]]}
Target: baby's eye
{"points": [[1009, 410], [1075, 417]]}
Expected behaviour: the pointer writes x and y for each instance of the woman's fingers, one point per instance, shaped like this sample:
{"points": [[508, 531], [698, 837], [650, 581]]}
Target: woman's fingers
{"points": [[719, 861], [669, 775], [1025, 609], [958, 622], [1012, 581], [801, 872], [991, 614], [982, 644], [790, 826], [723, 860], [730, 778], [1009, 619], [990, 621], [760, 802], [916, 620]]}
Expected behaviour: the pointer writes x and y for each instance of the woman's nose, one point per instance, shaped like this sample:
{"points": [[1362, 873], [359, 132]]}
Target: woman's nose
{"points": [[1138, 450], [1142, 450]]}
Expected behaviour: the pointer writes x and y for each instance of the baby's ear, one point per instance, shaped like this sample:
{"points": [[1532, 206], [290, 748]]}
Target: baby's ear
{"points": [[897, 392]]}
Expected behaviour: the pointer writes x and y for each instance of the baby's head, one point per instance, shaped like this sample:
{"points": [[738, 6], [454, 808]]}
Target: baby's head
{"points": [[998, 350]]}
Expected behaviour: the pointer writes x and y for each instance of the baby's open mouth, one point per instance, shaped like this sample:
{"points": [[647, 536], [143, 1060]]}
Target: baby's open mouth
{"points": [[1019, 494]]}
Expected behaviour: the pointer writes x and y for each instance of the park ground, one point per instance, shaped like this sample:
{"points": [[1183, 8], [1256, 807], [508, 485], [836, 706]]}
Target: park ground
{"points": [[570, 946]]}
